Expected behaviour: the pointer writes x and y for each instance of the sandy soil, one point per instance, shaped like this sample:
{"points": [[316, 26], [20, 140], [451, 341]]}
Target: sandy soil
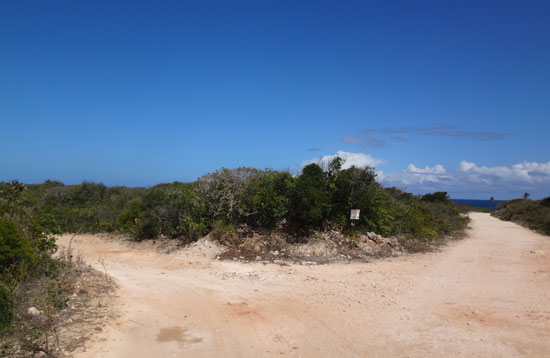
{"points": [[485, 296]]}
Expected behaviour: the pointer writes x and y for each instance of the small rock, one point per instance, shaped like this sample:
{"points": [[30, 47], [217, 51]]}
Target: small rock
{"points": [[309, 263], [33, 311], [258, 258]]}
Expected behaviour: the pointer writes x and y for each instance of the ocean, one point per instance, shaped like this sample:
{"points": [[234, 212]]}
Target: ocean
{"points": [[485, 204]]}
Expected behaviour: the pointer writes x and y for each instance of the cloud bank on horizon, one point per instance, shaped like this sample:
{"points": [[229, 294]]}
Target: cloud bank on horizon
{"points": [[469, 180]]}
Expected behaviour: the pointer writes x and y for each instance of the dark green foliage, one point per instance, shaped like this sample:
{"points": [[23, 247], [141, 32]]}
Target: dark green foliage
{"points": [[311, 198], [149, 225], [128, 219], [25, 245], [264, 199], [7, 307], [267, 198], [356, 188], [437, 197], [15, 248], [530, 213]]}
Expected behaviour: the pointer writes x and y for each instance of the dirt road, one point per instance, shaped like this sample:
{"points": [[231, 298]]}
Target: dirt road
{"points": [[485, 296]]}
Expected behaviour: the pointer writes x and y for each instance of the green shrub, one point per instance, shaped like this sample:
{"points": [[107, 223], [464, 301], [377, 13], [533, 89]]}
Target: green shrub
{"points": [[437, 197], [264, 199], [128, 219], [311, 198], [223, 232], [532, 214], [6, 309], [149, 226], [15, 249], [424, 220], [190, 230], [267, 198]]}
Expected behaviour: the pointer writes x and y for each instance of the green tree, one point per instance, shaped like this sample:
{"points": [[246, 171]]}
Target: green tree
{"points": [[16, 249], [437, 197], [267, 198], [311, 198]]}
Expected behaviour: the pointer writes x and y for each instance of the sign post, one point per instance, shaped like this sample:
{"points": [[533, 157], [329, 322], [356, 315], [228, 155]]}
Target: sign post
{"points": [[354, 215]]}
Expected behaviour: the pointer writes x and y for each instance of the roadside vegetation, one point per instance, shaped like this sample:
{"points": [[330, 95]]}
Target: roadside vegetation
{"points": [[264, 200], [35, 286], [273, 207], [534, 214]]}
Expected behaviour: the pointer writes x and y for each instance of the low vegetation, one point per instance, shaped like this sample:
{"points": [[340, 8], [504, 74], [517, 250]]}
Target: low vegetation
{"points": [[534, 214], [35, 286], [231, 205], [316, 200]]}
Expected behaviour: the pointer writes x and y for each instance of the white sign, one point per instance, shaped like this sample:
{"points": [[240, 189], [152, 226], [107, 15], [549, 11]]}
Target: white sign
{"points": [[354, 215]]}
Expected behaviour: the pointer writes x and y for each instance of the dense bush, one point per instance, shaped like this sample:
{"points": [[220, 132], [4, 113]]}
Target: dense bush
{"points": [[437, 197], [6, 309], [267, 198], [224, 192], [310, 201], [25, 247], [264, 199], [534, 214], [15, 248]]}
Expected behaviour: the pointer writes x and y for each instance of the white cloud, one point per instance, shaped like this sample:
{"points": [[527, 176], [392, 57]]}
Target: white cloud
{"points": [[359, 160], [465, 166], [437, 169], [470, 179], [528, 172], [413, 175]]}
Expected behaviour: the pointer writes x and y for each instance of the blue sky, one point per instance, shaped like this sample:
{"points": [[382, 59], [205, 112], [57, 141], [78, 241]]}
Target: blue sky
{"points": [[438, 95]]}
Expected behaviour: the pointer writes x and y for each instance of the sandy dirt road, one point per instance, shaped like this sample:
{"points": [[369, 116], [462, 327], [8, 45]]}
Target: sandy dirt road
{"points": [[485, 296]]}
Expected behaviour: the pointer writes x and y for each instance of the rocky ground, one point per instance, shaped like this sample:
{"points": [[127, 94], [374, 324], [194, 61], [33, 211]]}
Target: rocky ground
{"points": [[322, 247], [85, 298]]}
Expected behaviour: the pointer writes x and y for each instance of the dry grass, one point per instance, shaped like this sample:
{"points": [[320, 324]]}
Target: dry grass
{"points": [[72, 308]]}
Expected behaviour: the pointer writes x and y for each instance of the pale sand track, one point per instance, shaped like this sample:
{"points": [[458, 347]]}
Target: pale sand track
{"points": [[485, 296]]}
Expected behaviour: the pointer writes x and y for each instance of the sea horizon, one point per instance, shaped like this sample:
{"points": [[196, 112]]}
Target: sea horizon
{"points": [[479, 203]]}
